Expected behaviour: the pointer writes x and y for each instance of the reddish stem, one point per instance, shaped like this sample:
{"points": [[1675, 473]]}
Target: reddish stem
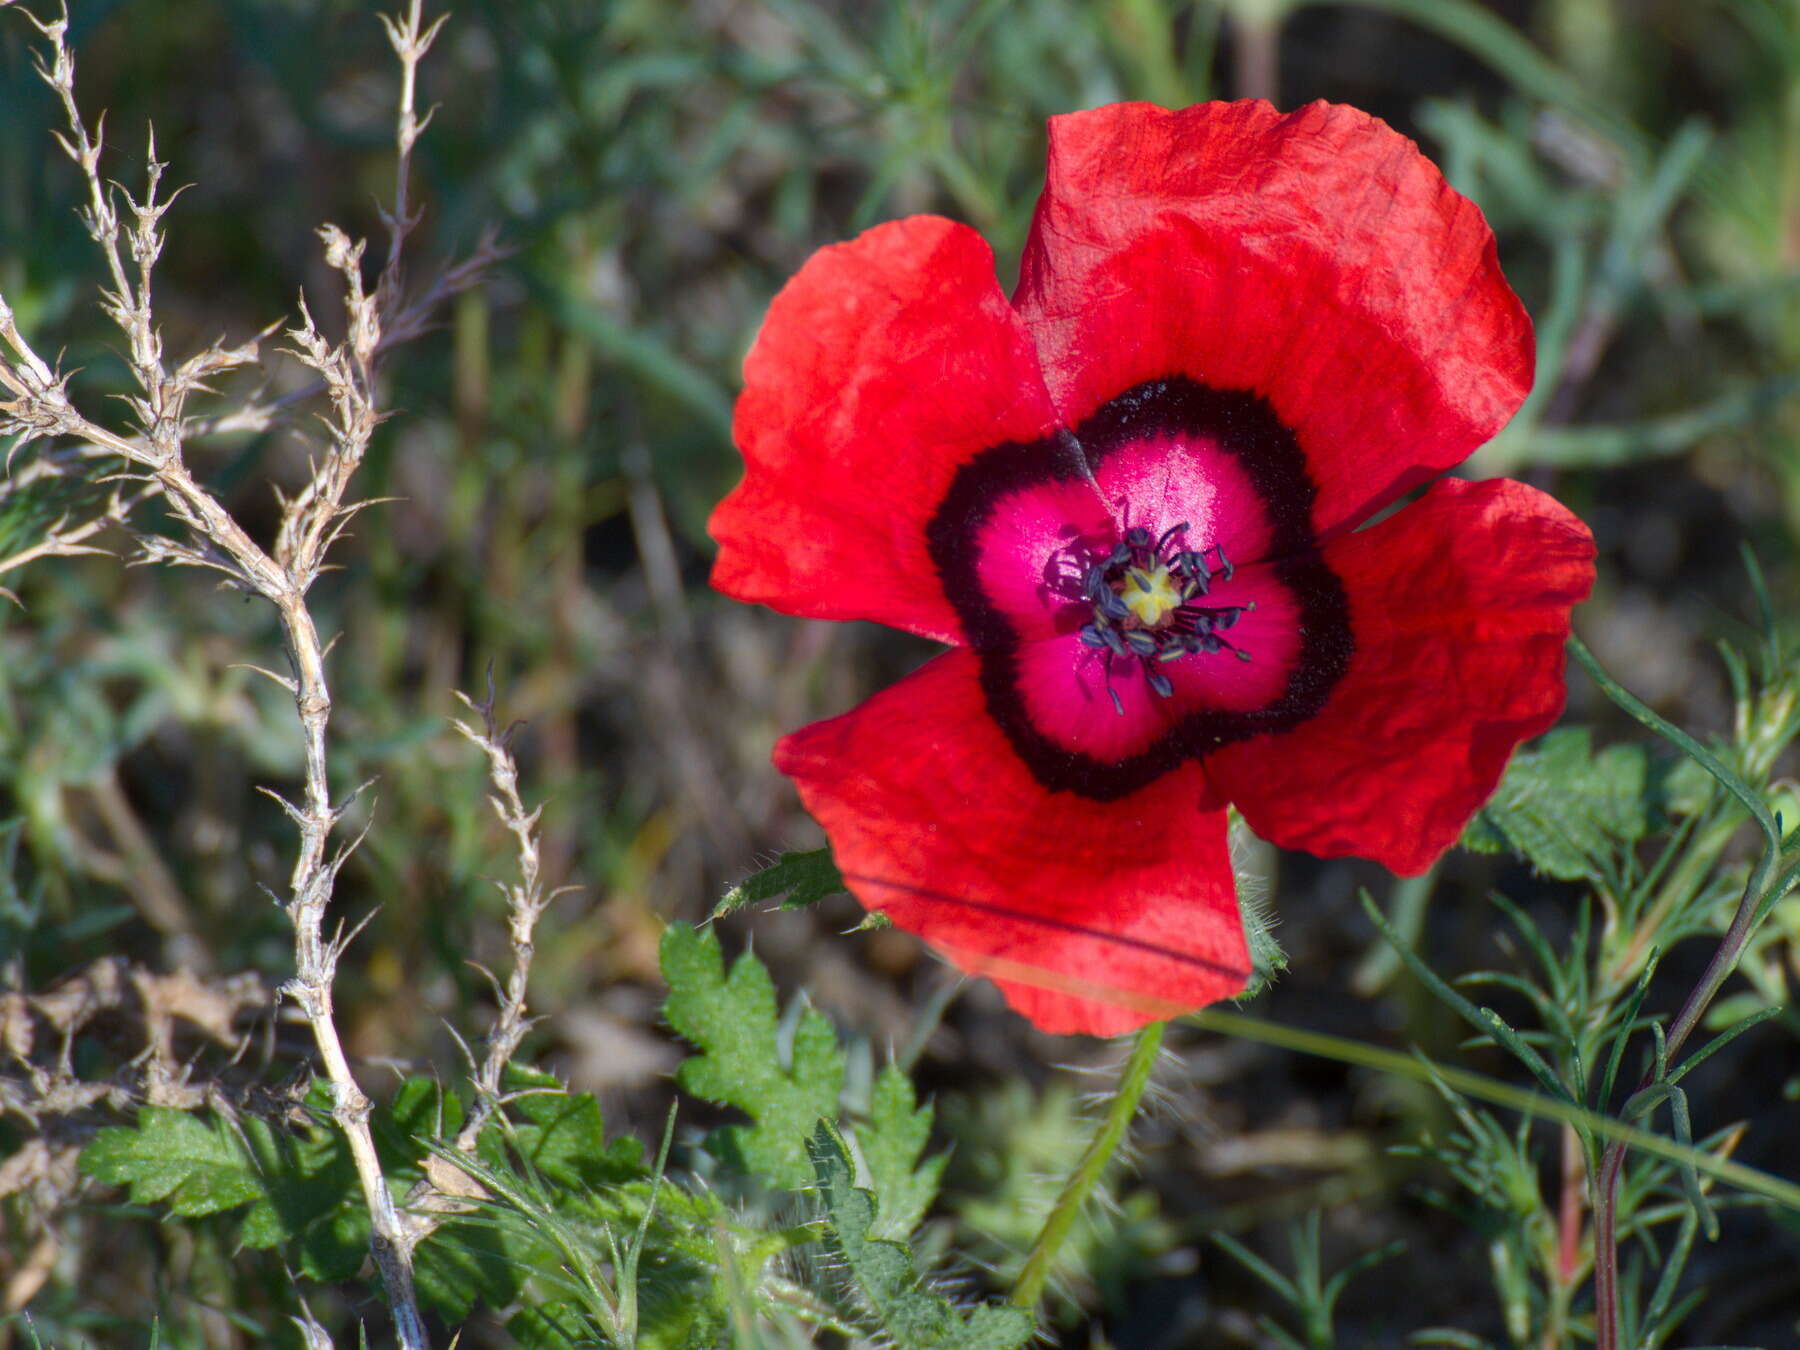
{"points": [[1606, 1238], [1574, 1177]]}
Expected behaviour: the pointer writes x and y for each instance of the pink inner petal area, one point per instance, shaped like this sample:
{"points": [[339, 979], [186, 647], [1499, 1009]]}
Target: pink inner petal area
{"points": [[1270, 633], [1038, 540], [1165, 480], [1063, 683], [1032, 552]]}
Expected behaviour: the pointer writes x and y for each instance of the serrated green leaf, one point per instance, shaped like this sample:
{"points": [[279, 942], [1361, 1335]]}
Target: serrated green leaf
{"points": [[891, 1140], [197, 1166], [1564, 808], [733, 1021], [301, 1187], [906, 1314], [805, 878]]}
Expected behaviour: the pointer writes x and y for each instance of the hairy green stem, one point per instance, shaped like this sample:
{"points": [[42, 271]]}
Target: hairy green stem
{"points": [[1132, 1081]]}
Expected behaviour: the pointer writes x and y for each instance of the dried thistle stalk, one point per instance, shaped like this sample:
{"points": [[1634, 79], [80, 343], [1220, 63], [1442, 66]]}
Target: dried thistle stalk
{"points": [[526, 900], [38, 406], [444, 1189]]}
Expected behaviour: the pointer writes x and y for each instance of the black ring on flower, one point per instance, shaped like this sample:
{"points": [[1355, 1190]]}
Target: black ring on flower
{"points": [[1244, 425]]}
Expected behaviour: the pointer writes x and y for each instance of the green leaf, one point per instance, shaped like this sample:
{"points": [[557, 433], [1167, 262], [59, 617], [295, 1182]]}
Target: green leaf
{"points": [[891, 1140], [464, 1263], [552, 1326], [310, 1194], [300, 1185], [562, 1134], [909, 1316], [421, 1108], [1565, 809], [784, 1089], [196, 1166], [805, 878]]}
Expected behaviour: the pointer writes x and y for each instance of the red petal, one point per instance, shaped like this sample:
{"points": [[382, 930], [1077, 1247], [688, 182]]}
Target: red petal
{"points": [[1459, 607], [882, 367], [1317, 259], [1091, 916]]}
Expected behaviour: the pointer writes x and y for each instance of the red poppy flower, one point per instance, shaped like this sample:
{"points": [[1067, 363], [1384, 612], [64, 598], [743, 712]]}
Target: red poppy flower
{"points": [[1128, 499]]}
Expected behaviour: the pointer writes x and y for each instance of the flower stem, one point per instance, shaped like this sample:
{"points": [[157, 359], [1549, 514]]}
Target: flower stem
{"points": [[1132, 1081]]}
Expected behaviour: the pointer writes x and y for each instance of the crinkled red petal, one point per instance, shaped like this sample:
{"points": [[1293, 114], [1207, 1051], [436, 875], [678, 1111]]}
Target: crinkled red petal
{"points": [[1318, 259], [882, 367], [1091, 916], [1459, 610]]}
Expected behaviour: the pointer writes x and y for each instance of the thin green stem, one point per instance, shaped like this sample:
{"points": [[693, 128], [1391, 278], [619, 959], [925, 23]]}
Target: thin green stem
{"points": [[1132, 1081], [1345, 1051], [1725, 777]]}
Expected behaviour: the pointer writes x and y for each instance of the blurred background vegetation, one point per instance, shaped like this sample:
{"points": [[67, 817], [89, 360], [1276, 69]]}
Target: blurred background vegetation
{"points": [[660, 168]]}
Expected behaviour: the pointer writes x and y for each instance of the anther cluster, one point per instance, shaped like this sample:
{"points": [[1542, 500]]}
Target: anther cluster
{"points": [[1170, 625]]}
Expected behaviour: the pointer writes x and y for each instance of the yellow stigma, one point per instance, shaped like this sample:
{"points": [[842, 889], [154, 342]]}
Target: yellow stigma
{"points": [[1150, 594]]}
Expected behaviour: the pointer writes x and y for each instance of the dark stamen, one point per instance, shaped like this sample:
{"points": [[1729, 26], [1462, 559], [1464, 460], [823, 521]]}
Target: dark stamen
{"points": [[1190, 629]]}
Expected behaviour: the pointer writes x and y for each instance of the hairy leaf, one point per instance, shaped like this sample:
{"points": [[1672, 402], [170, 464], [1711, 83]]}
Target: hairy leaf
{"points": [[906, 1314], [733, 1020], [805, 878], [1564, 808]]}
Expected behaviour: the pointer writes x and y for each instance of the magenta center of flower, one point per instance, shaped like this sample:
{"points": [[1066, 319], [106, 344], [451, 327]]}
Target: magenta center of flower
{"points": [[1149, 605]]}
